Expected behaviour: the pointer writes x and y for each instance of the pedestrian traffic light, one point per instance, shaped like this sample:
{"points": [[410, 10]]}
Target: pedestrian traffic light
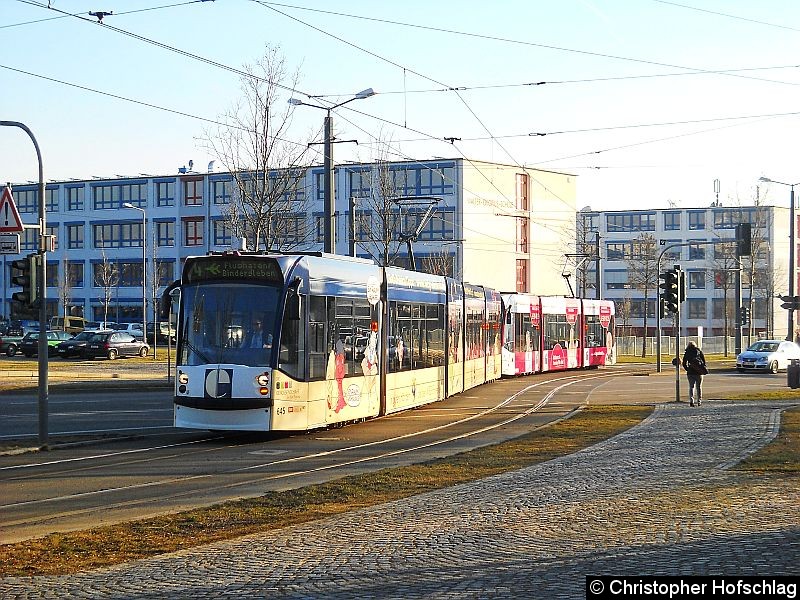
{"points": [[669, 290], [744, 315], [744, 242], [791, 302], [24, 274]]}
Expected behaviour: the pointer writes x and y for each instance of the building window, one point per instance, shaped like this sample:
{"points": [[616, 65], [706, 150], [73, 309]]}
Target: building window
{"points": [[223, 190], [672, 221], [618, 250], [697, 280], [117, 235], [74, 198], [360, 183], [522, 192], [725, 250], [75, 274], [319, 226], [724, 280], [165, 193], [193, 232], [51, 199], [118, 273], [27, 201], [522, 274], [112, 196], [697, 252], [672, 253], [697, 219], [522, 235], [730, 218], [589, 222], [165, 233], [29, 240], [696, 308], [75, 236], [166, 272], [631, 222], [193, 191], [221, 232]]}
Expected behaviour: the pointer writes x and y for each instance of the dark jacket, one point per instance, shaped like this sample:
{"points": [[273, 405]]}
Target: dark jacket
{"points": [[694, 361]]}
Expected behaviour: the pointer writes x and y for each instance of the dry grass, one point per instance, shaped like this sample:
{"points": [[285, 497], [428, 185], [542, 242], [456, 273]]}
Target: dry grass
{"points": [[104, 546]]}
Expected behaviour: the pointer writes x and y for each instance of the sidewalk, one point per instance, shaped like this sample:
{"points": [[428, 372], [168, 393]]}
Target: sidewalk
{"points": [[659, 499]]}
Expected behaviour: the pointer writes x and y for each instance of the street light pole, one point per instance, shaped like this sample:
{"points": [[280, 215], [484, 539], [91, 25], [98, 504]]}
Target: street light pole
{"points": [[144, 268], [792, 250], [329, 192]]}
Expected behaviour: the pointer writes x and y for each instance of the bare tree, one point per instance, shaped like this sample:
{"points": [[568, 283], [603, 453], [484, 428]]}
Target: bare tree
{"points": [[65, 285], [269, 205], [106, 277], [377, 220], [643, 274], [439, 263]]}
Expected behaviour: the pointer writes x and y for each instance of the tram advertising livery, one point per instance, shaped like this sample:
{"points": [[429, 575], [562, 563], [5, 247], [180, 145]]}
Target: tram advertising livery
{"points": [[305, 341]]}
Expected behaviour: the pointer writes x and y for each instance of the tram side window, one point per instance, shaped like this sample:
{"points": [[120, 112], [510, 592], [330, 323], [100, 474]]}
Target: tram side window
{"points": [[317, 347], [291, 358], [557, 332], [595, 336], [351, 324], [526, 334], [416, 336]]}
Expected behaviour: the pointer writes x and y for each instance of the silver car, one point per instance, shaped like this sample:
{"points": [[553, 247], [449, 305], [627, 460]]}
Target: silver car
{"points": [[768, 356]]}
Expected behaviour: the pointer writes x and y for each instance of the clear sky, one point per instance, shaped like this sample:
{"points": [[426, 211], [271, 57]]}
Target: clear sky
{"points": [[634, 100]]}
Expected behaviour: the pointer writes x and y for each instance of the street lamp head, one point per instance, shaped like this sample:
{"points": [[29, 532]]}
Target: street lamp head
{"points": [[365, 93], [765, 179], [295, 101], [128, 205]]}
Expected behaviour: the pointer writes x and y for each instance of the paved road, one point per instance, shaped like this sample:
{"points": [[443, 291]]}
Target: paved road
{"points": [[659, 499]]}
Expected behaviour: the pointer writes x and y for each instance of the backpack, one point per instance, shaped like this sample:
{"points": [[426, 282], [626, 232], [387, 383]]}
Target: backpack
{"points": [[698, 365]]}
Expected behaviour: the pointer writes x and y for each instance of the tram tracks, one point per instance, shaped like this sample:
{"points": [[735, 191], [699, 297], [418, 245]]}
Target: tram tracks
{"points": [[34, 511]]}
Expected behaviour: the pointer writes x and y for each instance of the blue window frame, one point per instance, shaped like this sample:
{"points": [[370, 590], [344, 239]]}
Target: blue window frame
{"points": [[117, 235], [221, 232], [165, 233], [223, 191], [74, 236], [51, 199], [631, 222], [697, 219], [74, 197], [27, 200], [110, 196], [672, 220], [165, 192]]}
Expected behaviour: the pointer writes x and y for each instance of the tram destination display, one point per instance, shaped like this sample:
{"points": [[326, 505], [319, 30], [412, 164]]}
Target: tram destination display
{"points": [[233, 268]]}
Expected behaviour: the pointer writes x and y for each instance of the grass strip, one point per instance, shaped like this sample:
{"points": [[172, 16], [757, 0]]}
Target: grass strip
{"points": [[783, 454], [64, 553]]}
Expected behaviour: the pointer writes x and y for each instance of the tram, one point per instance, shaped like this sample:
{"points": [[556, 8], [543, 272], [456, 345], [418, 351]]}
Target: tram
{"points": [[547, 333], [295, 342]]}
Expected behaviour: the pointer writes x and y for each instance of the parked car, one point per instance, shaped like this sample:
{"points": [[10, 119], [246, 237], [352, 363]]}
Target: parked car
{"points": [[74, 346], [135, 329], [165, 332], [99, 326], [29, 345], [71, 325], [768, 356], [9, 344], [112, 344]]}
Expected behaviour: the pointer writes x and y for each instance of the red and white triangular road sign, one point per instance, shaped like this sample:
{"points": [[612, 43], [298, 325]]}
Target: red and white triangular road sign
{"points": [[9, 217]]}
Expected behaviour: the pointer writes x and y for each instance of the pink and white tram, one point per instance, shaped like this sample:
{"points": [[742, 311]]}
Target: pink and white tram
{"points": [[547, 333]]}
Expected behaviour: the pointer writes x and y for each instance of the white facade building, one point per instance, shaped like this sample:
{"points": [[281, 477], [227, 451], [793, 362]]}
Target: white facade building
{"points": [[704, 257], [498, 225]]}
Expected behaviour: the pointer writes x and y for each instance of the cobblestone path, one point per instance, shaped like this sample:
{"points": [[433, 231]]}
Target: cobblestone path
{"points": [[659, 499]]}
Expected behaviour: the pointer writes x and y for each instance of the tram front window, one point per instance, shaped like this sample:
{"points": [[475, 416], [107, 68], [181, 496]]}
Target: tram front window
{"points": [[228, 323]]}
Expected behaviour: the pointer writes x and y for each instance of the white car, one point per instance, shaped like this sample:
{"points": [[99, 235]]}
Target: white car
{"points": [[768, 356], [135, 329]]}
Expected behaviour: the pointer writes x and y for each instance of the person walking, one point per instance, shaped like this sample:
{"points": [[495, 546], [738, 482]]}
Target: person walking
{"points": [[694, 362]]}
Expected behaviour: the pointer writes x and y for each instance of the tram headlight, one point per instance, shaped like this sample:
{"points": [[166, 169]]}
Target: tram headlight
{"points": [[183, 378]]}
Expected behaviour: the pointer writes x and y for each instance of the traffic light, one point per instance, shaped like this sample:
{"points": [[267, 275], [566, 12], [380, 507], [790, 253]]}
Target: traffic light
{"points": [[791, 302], [681, 285], [24, 273], [744, 315], [669, 290], [744, 242]]}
